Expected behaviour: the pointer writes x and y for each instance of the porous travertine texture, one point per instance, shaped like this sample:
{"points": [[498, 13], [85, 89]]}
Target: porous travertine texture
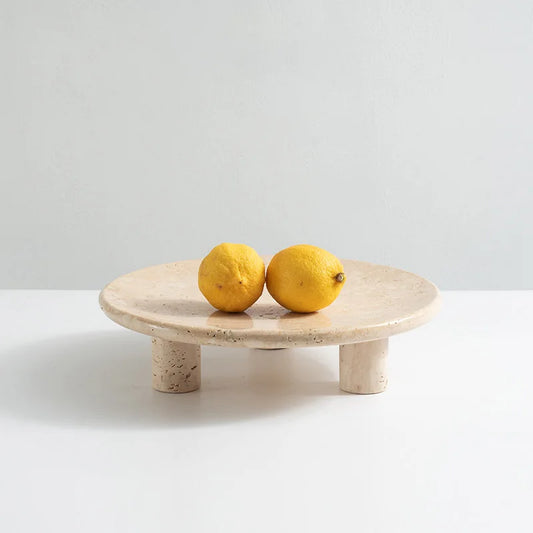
{"points": [[363, 366], [175, 366], [164, 301]]}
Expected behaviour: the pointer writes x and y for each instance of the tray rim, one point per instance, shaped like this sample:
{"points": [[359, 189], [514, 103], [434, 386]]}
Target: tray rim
{"points": [[252, 338]]}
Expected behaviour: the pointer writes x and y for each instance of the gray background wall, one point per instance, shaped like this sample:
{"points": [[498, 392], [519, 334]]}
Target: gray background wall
{"points": [[135, 133]]}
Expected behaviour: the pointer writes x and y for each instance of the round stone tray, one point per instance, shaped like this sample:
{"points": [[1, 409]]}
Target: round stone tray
{"points": [[164, 302]]}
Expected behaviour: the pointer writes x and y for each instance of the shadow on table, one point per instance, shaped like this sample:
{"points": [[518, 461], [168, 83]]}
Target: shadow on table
{"points": [[102, 379]]}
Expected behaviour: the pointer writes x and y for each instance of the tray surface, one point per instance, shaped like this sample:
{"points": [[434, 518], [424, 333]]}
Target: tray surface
{"points": [[164, 301]]}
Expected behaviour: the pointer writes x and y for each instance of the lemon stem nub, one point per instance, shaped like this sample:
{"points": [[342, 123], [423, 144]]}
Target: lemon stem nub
{"points": [[340, 277]]}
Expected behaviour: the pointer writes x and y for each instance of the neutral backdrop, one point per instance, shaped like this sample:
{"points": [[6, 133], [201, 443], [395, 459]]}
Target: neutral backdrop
{"points": [[134, 133]]}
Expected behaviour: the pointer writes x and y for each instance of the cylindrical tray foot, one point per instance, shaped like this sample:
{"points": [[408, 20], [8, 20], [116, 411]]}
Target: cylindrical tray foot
{"points": [[175, 366], [363, 366]]}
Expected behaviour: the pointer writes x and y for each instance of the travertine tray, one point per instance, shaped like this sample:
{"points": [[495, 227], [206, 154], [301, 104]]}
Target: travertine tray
{"points": [[164, 302]]}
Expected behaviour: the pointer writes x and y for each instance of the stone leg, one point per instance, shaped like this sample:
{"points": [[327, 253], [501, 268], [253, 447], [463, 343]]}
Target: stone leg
{"points": [[363, 366], [175, 366]]}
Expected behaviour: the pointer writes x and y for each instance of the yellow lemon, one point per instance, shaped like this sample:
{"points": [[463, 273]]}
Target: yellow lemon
{"points": [[231, 277], [304, 278]]}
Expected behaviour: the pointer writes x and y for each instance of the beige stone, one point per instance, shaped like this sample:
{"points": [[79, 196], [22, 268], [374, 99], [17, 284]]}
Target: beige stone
{"points": [[176, 366], [363, 366], [376, 302]]}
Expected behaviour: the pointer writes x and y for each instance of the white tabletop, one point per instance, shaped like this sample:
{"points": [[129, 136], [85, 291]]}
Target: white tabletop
{"points": [[86, 444]]}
